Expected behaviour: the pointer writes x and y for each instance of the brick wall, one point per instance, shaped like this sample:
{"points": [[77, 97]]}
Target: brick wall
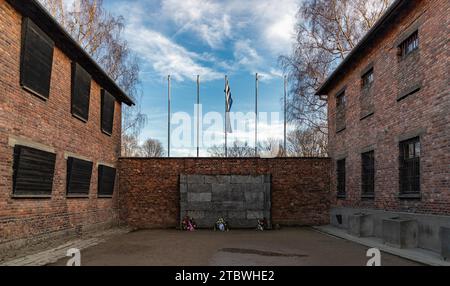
{"points": [[26, 118], [149, 188], [425, 114]]}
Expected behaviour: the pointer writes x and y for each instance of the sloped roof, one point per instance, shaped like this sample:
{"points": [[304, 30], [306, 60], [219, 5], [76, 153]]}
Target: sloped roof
{"points": [[40, 16]]}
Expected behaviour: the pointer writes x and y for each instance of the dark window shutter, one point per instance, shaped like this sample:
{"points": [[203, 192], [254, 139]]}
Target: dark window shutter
{"points": [[79, 174], [368, 173], [106, 179], [33, 171], [410, 166], [107, 112], [36, 59], [341, 178], [81, 90]]}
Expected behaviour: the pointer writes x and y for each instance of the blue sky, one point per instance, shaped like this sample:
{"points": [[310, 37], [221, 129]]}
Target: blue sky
{"points": [[211, 39]]}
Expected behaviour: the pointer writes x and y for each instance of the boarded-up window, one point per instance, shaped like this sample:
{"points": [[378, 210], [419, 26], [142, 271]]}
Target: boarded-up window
{"points": [[33, 171], [107, 112], [368, 174], [81, 90], [106, 179], [410, 166], [340, 172], [79, 174], [36, 59], [341, 103]]}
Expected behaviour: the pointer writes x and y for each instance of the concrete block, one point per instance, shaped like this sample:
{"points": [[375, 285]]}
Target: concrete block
{"points": [[267, 189], [236, 215], [255, 215], [196, 179], [199, 188], [183, 179], [199, 197], [253, 187], [235, 179], [222, 193], [206, 222], [360, 225], [444, 235], [239, 179], [400, 233], [256, 179], [255, 205], [183, 188], [183, 197], [254, 197], [196, 214], [219, 179], [241, 223], [228, 206], [198, 206]]}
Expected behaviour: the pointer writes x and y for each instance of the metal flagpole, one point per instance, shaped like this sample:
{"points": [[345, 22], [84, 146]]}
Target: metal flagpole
{"points": [[256, 115], [226, 109], [168, 121], [198, 116], [285, 107]]}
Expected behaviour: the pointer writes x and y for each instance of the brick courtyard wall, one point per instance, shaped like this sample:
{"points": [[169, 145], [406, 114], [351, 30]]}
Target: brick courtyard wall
{"points": [[149, 188], [425, 114], [24, 118]]}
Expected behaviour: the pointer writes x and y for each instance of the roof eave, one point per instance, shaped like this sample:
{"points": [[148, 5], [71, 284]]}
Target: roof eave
{"points": [[36, 12]]}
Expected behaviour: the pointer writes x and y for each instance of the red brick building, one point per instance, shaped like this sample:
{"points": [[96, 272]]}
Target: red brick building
{"points": [[389, 118], [60, 130]]}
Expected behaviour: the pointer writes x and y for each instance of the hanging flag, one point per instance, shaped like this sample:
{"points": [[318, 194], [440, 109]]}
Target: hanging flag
{"points": [[229, 104]]}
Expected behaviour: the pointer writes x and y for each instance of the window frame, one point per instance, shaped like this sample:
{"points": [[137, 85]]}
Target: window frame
{"points": [[410, 168], [341, 178], [76, 68], [341, 104], [365, 84], [100, 183], [341, 110], [72, 194], [368, 174], [17, 156], [105, 96], [403, 47], [29, 26]]}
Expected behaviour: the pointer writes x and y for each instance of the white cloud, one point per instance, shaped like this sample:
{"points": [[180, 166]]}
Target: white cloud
{"points": [[214, 21], [255, 31], [246, 56], [165, 56], [204, 18]]}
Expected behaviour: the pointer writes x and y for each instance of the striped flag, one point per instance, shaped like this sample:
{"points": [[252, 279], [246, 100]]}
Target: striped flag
{"points": [[229, 104]]}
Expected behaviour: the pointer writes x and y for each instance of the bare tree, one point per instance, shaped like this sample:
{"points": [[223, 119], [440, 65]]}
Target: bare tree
{"points": [[269, 148], [306, 143], [152, 148], [100, 34], [327, 30], [238, 149], [130, 146]]}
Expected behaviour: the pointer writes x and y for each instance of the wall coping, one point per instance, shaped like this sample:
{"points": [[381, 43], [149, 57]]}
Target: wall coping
{"points": [[223, 158]]}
